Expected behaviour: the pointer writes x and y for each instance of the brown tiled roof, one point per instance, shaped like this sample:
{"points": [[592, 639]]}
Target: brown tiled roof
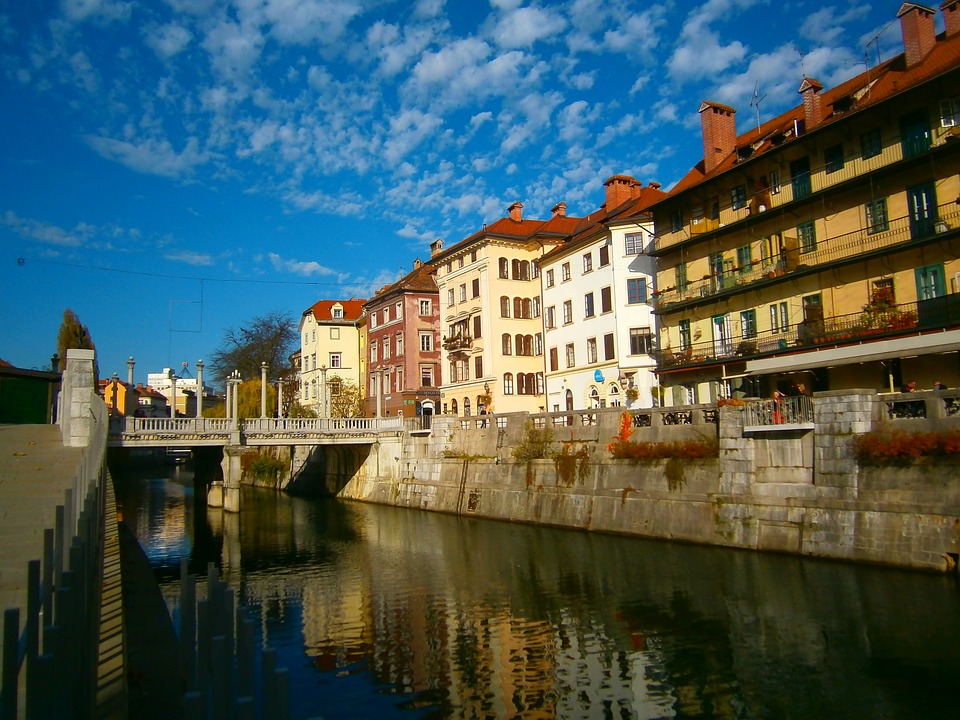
{"points": [[323, 310], [420, 280], [4, 363], [876, 85]]}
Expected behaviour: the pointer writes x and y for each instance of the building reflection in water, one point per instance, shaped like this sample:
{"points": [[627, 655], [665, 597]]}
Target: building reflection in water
{"points": [[383, 612]]}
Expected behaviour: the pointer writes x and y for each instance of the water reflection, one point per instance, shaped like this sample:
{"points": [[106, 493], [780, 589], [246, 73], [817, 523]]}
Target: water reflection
{"points": [[381, 612]]}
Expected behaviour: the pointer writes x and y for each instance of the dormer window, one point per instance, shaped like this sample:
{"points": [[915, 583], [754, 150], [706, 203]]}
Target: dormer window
{"points": [[337, 312]]}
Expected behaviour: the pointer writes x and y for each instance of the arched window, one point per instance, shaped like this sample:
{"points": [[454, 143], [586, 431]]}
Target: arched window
{"points": [[569, 400], [516, 269], [504, 306], [507, 348], [508, 383], [521, 384], [594, 397], [613, 394], [524, 270], [518, 344], [504, 268], [466, 407], [518, 307], [453, 407], [527, 308]]}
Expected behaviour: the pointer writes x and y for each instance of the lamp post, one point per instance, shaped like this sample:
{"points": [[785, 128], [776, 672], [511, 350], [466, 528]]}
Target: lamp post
{"points": [[263, 389], [199, 388]]}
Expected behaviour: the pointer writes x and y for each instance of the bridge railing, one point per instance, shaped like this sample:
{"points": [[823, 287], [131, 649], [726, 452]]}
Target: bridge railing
{"points": [[322, 425], [177, 425]]}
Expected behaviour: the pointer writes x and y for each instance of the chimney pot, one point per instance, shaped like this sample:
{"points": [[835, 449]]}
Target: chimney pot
{"points": [[560, 209], [919, 33], [417, 264], [619, 189], [951, 16], [436, 246], [719, 128], [516, 211], [655, 185]]}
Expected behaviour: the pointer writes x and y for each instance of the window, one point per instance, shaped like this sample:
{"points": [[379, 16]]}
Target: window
{"points": [[744, 258], [807, 234], [524, 345], [335, 387], [774, 182], [475, 287], [571, 357], [636, 290], [550, 319], [504, 266], [633, 243], [450, 299], [950, 112], [833, 159], [478, 366], [535, 269], [748, 323], [536, 307], [426, 341], [538, 344], [524, 270], [681, 276], [604, 253], [386, 348], [373, 351], [473, 256], [399, 344], [588, 263], [588, 305], [526, 307], [460, 262], [676, 221], [641, 341], [508, 383], [567, 312], [608, 353], [738, 197], [338, 313], [606, 300], [871, 144], [779, 317], [398, 308], [554, 361], [915, 136], [591, 350], [800, 177], [930, 282], [453, 374], [518, 307], [463, 292], [549, 278], [426, 375], [684, 327], [477, 326], [565, 272], [504, 306], [877, 219], [506, 344]]}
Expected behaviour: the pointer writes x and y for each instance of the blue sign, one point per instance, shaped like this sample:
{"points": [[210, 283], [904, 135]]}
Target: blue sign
{"points": [[598, 376]]}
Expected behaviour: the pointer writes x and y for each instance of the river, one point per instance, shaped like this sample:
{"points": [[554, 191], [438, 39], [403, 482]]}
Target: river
{"points": [[384, 613]]}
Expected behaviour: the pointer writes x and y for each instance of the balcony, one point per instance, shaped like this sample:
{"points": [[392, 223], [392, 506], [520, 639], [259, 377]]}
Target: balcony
{"points": [[854, 245], [457, 344], [849, 329], [816, 180]]}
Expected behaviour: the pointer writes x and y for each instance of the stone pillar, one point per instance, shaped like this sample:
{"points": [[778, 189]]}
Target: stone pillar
{"points": [[323, 392], [199, 388], [378, 389], [236, 400], [839, 416], [226, 400], [76, 398], [280, 398], [130, 364], [263, 389], [173, 395], [232, 470]]}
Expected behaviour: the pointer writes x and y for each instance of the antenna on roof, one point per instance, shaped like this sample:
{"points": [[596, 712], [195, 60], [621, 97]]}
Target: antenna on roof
{"points": [[755, 102]]}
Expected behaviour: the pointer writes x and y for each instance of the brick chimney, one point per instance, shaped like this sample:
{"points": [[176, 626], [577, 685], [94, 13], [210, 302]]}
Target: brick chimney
{"points": [[812, 109], [951, 16], [516, 211], [559, 210], [619, 190], [919, 34], [417, 263], [719, 129]]}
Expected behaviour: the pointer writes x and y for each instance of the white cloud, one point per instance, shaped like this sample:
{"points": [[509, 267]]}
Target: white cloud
{"points": [[151, 156], [522, 27], [700, 52], [99, 9], [167, 40], [47, 233], [826, 25], [407, 130], [233, 48], [638, 35], [300, 21], [397, 48], [308, 268], [189, 257]]}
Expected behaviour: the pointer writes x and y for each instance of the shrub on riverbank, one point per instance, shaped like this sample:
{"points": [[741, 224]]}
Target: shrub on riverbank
{"points": [[882, 447], [622, 449]]}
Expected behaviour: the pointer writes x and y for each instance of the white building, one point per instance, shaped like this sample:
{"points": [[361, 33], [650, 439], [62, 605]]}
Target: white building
{"points": [[597, 305]]}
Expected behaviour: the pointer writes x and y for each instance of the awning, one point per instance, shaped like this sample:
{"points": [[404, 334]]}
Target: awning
{"points": [[927, 344]]}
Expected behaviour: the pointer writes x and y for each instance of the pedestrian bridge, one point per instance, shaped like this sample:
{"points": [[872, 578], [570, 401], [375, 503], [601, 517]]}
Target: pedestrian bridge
{"points": [[131, 432]]}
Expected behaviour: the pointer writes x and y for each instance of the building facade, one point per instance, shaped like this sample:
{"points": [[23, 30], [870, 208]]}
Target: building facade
{"points": [[403, 350], [597, 305], [490, 314], [820, 250], [329, 351]]}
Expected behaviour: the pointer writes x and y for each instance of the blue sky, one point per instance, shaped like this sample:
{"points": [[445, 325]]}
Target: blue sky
{"points": [[171, 168]]}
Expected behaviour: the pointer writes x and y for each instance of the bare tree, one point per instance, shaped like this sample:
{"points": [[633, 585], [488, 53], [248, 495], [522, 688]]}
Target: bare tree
{"points": [[265, 338]]}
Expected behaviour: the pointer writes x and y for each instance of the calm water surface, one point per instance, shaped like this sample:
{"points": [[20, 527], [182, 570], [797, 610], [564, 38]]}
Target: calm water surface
{"points": [[388, 613]]}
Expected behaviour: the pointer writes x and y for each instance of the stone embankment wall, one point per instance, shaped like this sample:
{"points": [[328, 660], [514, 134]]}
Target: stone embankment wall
{"points": [[795, 489]]}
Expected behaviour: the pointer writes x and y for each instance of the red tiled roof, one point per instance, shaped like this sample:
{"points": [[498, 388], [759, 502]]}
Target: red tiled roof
{"points": [[421, 279], [4, 363], [867, 89], [323, 310]]}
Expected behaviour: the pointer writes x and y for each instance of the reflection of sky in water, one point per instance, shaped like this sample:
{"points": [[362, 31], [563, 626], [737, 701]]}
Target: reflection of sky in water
{"points": [[159, 509]]}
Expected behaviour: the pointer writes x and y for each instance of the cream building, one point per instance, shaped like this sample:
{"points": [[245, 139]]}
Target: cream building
{"points": [[330, 336]]}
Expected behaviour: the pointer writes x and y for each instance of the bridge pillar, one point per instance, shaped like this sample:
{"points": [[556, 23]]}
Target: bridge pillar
{"points": [[232, 470], [215, 495]]}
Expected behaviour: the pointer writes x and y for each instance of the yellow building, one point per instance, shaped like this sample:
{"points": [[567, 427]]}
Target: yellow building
{"points": [[490, 314], [821, 248]]}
